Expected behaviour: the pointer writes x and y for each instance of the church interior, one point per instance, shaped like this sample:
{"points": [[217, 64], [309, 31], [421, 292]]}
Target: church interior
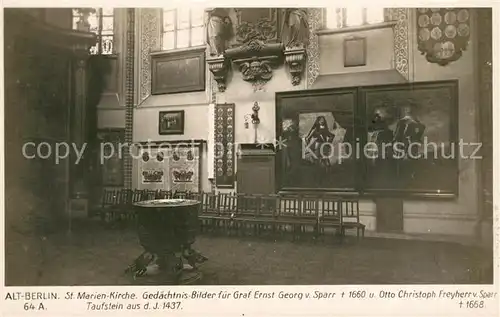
{"points": [[271, 122]]}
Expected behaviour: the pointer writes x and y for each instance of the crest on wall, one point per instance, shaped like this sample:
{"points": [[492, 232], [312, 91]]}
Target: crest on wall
{"points": [[443, 33]]}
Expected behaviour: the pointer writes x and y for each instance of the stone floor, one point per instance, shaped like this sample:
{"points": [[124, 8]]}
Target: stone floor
{"points": [[93, 255]]}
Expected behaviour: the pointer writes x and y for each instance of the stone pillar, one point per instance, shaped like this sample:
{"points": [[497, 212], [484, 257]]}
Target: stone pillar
{"points": [[79, 169], [79, 130]]}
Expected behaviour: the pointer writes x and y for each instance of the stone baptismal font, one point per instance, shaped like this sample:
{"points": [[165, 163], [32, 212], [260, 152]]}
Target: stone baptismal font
{"points": [[167, 230]]}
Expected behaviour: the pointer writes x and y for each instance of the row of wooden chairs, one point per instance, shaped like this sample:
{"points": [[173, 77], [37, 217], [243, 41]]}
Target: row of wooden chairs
{"points": [[297, 212], [118, 204], [237, 212]]}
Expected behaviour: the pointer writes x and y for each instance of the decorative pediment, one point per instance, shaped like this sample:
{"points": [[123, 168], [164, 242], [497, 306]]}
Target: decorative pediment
{"points": [[256, 41]]}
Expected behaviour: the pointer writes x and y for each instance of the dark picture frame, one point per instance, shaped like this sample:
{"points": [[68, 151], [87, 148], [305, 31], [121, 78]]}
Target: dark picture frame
{"points": [[171, 122], [434, 119], [433, 108], [178, 72], [303, 109]]}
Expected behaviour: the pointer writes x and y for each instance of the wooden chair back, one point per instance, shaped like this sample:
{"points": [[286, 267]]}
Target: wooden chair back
{"points": [[125, 197], [330, 209], [268, 205], [164, 194], [310, 205], [180, 194], [137, 195], [109, 198], [210, 203], [247, 205], [150, 194], [349, 211], [289, 206], [227, 203]]}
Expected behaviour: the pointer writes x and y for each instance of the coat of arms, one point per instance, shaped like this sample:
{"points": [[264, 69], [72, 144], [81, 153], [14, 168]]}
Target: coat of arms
{"points": [[443, 34]]}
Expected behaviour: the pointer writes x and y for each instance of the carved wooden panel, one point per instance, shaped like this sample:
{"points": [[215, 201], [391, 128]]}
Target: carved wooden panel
{"points": [[263, 16], [401, 39], [149, 25], [315, 23]]}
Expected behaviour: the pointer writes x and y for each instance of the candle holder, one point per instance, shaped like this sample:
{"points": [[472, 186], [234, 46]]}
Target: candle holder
{"points": [[255, 114]]}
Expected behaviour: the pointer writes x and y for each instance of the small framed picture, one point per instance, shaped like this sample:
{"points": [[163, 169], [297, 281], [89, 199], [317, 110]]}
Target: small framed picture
{"points": [[171, 122], [354, 52]]}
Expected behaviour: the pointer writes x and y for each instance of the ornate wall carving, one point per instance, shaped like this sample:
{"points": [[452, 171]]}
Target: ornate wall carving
{"points": [[149, 34], [401, 40], [315, 21], [129, 95], [257, 45]]}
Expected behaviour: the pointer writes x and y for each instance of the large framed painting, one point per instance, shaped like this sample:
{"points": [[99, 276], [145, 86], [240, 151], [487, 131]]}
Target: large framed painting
{"points": [[411, 135], [395, 140], [110, 158], [316, 130], [172, 166], [178, 72]]}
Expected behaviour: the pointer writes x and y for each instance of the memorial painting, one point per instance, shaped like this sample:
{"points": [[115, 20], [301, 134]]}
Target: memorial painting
{"points": [[393, 139], [411, 134], [317, 133]]}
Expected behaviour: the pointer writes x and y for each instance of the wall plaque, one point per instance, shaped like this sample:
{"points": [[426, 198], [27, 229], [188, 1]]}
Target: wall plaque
{"points": [[224, 146], [443, 34], [354, 52]]}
